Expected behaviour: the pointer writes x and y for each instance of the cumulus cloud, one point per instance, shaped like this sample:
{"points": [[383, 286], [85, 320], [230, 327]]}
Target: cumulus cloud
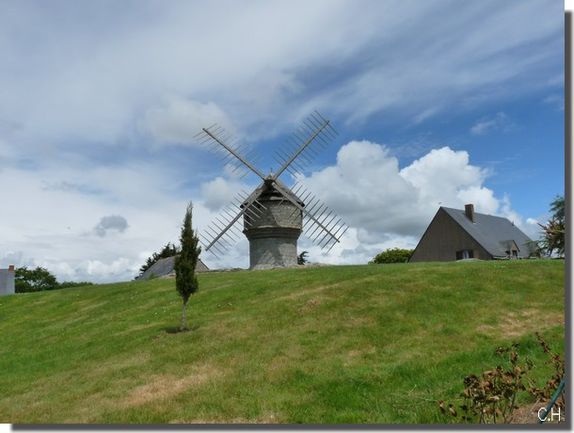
{"points": [[388, 204], [111, 222], [82, 106], [498, 122]]}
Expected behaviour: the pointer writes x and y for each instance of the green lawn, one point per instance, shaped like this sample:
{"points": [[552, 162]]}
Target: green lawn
{"points": [[346, 344]]}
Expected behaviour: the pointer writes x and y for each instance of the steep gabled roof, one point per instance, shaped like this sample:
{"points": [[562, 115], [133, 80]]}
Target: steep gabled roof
{"points": [[493, 233], [165, 267]]}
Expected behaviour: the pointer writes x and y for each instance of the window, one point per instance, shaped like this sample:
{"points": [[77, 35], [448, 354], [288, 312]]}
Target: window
{"points": [[464, 254]]}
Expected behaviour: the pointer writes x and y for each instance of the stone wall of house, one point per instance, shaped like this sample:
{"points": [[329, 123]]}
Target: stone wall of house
{"points": [[7, 279]]}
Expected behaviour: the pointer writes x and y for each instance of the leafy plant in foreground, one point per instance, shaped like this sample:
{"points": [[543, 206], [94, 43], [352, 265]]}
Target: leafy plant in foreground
{"points": [[545, 392], [491, 397]]}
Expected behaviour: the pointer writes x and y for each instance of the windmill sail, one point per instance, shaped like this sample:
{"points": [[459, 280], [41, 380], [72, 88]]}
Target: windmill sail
{"points": [[273, 207]]}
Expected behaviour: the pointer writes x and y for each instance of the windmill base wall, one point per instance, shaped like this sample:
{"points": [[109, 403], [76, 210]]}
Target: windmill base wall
{"points": [[272, 247]]}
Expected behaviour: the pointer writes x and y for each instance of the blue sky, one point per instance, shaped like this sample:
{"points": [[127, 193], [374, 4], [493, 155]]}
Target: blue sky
{"points": [[436, 102]]}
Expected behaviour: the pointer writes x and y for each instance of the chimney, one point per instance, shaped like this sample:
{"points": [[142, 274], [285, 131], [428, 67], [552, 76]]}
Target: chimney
{"points": [[11, 267], [469, 211]]}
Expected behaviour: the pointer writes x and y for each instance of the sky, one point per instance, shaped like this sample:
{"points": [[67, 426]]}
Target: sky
{"points": [[437, 103]]}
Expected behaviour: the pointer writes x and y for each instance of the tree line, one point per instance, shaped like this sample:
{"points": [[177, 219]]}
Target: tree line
{"points": [[40, 279]]}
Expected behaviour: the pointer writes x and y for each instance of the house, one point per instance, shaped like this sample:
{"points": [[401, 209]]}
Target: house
{"points": [[7, 278], [456, 234], [165, 267]]}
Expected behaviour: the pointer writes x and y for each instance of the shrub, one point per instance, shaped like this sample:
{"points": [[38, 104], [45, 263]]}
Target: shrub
{"points": [[302, 258], [490, 398], [66, 284], [34, 280], [393, 255]]}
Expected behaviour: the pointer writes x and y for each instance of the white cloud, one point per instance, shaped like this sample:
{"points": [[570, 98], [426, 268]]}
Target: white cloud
{"points": [[220, 192], [263, 65], [388, 206], [77, 98], [498, 122], [178, 121]]}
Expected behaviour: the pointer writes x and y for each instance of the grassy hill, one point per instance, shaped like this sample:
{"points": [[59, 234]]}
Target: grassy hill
{"points": [[348, 344]]}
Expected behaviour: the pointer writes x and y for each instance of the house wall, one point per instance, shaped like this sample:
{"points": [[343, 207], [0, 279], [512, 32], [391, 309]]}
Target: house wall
{"points": [[443, 238], [7, 277]]}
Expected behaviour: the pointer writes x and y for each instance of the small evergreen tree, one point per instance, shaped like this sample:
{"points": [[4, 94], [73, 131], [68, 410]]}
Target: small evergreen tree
{"points": [[185, 263]]}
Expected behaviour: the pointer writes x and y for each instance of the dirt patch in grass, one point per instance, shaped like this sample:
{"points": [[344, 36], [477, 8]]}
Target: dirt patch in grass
{"points": [[528, 414], [517, 324], [301, 293], [165, 386], [268, 418], [310, 305], [113, 365], [315, 290]]}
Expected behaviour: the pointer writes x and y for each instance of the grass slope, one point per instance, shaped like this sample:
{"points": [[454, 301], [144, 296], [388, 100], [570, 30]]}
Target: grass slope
{"points": [[348, 344]]}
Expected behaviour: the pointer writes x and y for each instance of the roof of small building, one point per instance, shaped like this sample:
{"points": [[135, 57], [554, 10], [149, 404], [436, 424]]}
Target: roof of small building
{"points": [[493, 233], [165, 267]]}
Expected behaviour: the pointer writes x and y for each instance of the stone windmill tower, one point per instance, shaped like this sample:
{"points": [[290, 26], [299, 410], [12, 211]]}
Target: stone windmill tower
{"points": [[274, 215]]}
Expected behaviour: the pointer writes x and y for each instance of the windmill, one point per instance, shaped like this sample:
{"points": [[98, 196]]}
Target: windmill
{"points": [[274, 215]]}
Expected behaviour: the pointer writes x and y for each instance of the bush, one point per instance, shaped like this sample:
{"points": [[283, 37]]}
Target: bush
{"points": [[393, 255], [66, 284], [34, 280], [490, 398]]}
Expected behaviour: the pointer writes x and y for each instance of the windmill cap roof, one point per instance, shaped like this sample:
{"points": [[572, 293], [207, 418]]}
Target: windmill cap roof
{"points": [[273, 194]]}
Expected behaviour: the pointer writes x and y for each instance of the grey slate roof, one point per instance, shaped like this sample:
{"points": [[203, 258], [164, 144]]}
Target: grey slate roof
{"points": [[492, 232], [165, 267], [263, 189]]}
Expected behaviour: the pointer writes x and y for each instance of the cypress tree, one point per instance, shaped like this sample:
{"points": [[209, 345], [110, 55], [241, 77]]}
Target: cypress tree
{"points": [[185, 263]]}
